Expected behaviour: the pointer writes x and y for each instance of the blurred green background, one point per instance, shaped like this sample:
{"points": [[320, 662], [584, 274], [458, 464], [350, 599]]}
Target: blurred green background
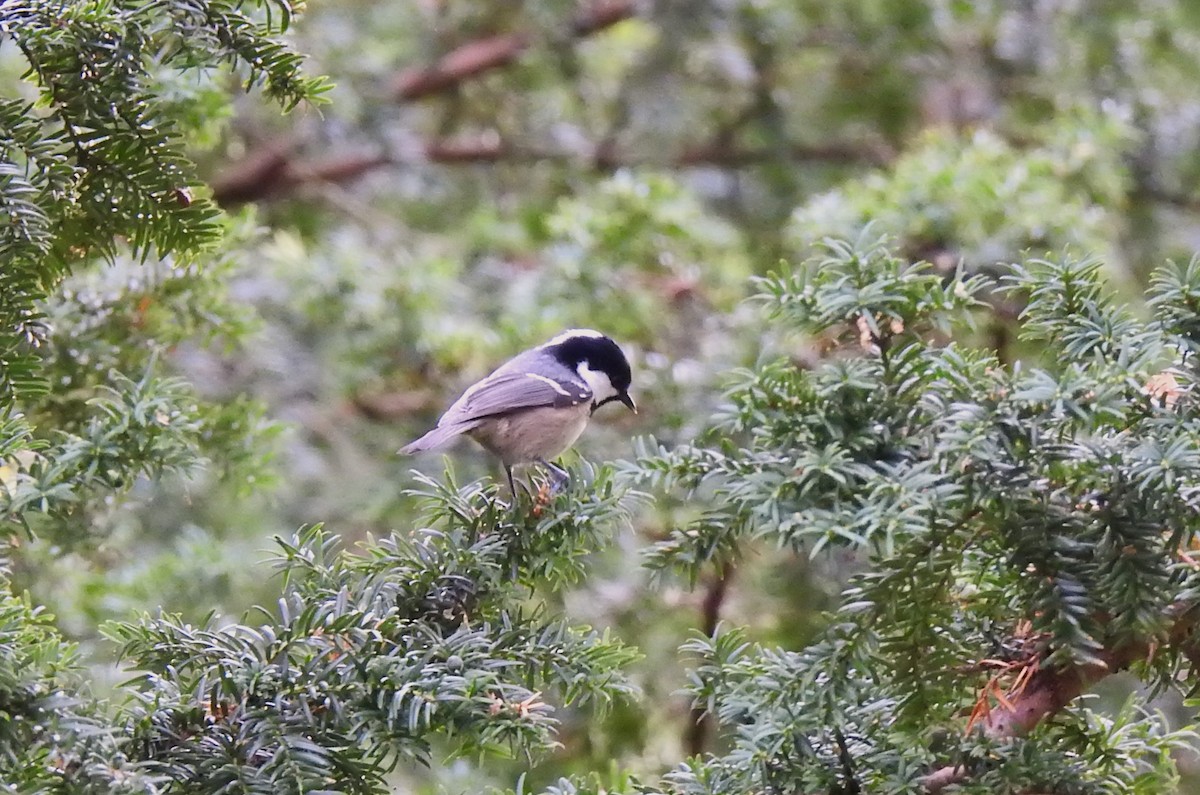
{"points": [[487, 174]]}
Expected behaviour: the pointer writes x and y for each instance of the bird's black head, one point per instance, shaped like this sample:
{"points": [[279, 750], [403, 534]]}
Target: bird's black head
{"points": [[597, 359]]}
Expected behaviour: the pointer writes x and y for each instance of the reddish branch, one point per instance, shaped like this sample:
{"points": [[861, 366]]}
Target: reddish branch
{"points": [[1182, 201], [256, 176], [277, 170], [1051, 689], [497, 51], [696, 737]]}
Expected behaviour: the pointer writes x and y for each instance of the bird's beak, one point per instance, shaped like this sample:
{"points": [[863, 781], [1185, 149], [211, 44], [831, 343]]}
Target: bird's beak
{"points": [[628, 401]]}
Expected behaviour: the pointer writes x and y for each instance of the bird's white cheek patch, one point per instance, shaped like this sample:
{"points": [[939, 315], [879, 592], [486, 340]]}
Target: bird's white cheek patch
{"points": [[597, 381]]}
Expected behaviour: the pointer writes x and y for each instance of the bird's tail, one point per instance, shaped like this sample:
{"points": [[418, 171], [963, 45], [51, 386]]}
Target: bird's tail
{"points": [[438, 437]]}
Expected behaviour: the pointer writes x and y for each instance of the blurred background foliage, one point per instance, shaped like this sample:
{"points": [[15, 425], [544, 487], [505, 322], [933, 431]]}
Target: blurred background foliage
{"points": [[486, 174]]}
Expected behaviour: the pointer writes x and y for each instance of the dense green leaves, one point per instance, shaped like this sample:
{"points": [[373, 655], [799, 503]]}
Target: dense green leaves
{"points": [[367, 659], [1050, 509], [129, 430], [981, 198], [52, 737], [986, 505], [98, 158]]}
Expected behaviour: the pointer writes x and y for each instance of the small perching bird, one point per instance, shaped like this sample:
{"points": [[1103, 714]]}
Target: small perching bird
{"points": [[534, 406]]}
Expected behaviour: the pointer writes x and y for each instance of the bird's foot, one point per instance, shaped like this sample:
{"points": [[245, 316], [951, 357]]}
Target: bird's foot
{"points": [[559, 477]]}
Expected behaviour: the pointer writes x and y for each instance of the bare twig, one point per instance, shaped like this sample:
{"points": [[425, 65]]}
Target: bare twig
{"points": [[495, 52]]}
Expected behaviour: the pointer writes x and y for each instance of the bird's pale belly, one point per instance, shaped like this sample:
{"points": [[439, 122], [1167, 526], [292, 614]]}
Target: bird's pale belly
{"points": [[533, 435]]}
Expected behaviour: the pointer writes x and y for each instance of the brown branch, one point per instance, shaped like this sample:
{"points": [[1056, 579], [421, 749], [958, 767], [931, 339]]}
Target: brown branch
{"points": [[1051, 689], [392, 406], [495, 52], [460, 64], [726, 156], [695, 738], [491, 149], [276, 170], [943, 777], [600, 15], [1183, 201], [254, 177]]}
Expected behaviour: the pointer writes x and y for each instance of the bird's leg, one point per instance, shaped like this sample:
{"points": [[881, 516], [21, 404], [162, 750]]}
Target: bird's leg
{"points": [[512, 486], [559, 475]]}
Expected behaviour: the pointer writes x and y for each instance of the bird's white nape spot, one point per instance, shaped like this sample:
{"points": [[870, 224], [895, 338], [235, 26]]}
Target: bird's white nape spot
{"points": [[557, 386], [598, 381], [574, 332]]}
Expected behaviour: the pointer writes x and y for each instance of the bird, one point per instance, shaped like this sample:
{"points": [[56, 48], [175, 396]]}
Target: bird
{"points": [[535, 406]]}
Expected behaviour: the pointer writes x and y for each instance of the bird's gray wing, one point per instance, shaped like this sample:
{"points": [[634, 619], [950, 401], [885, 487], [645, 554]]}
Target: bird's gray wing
{"points": [[502, 392]]}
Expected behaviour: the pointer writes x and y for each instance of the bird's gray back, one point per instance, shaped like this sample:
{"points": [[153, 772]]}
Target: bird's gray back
{"points": [[532, 379]]}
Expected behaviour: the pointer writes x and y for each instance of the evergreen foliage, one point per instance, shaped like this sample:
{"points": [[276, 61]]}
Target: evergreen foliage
{"points": [[92, 166], [366, 660], [1027, 517], [49, 733], [982, 197], [1018, 520], [93, 162]]}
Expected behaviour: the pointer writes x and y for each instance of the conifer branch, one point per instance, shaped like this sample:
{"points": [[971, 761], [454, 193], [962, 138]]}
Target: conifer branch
{"points": [[1052, 689]]}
